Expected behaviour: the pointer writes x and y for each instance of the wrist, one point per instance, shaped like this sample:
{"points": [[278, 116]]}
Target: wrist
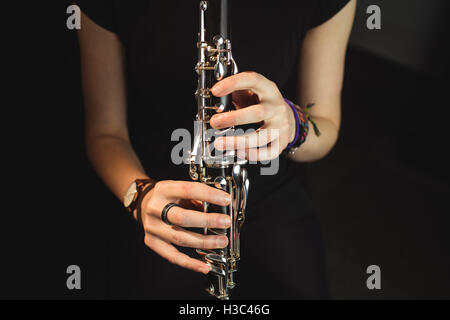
{"points": [[292, 123], [295, 125], [144, 197], [133, 197], [302, 119]]}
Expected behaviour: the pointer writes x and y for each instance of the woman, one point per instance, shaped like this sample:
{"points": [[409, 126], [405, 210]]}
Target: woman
{"points": [[138, 82]]}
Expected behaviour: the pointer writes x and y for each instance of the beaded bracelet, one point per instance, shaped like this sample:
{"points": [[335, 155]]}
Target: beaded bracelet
{"points": [[302, 119]]}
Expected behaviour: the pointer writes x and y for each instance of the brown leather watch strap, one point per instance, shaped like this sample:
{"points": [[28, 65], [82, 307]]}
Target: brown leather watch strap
{"points": [[139, 201], [142, 182], [140, 185]]}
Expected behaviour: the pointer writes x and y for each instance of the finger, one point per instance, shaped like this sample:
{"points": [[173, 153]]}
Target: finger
{"points": [[259, 84], [195, 219], [252, 114], [194, 191], [270, 152], [191, 204], [259, 138], [244, 98], [184, 238], [170, 253]]}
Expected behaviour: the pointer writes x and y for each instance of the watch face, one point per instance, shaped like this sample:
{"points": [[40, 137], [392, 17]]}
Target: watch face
{"points": [[129, 196]]}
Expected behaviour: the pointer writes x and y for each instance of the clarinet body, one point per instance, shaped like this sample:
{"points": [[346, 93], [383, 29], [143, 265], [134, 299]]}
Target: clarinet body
{"points": [[222, 170]]}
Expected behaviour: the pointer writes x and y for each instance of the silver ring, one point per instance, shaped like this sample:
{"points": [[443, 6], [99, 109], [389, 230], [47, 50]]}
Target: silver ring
{"points": [[165, 211]]}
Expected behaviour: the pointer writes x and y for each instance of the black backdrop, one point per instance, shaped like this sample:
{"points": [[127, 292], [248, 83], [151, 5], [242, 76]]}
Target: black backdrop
{"points": [[381, 194]]}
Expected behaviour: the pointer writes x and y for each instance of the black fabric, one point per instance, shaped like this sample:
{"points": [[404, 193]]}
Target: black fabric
{"points": [[281, 236], [325, 10], [101, 11]]}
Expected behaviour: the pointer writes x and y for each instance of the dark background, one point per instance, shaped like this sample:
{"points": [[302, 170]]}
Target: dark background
{"points": [[381, 194]]}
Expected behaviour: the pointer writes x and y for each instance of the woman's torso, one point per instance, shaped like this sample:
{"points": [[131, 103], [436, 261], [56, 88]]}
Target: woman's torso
{"points": [[160, 47]]}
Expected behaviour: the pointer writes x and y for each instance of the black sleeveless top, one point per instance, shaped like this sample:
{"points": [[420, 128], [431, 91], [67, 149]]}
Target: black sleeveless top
{"points": [[159, 39]]}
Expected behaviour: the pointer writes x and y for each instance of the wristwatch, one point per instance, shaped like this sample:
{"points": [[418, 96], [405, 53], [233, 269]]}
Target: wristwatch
{"points": [[130, 200]]}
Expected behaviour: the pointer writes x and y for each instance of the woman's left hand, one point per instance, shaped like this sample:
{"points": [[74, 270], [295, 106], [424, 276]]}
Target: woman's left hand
{"points": [[278, 128]]}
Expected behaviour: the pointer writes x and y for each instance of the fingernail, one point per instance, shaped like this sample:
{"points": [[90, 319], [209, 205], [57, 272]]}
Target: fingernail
{"points": [[225, 222], [216, 88], [221, 242], [204, 269], [207, 269], [216, 119], [218, 144], [226, 199], [242, 154]]}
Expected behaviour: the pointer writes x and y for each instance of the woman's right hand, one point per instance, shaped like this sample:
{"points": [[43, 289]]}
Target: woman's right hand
{"points": [[161, 237]]}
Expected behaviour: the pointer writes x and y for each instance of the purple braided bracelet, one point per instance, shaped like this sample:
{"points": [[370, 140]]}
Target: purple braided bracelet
{"points": [[297, 124]]}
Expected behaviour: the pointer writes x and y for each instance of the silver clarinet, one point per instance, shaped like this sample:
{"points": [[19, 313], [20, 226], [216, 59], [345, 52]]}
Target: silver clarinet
{"points": [[222, 170]]}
